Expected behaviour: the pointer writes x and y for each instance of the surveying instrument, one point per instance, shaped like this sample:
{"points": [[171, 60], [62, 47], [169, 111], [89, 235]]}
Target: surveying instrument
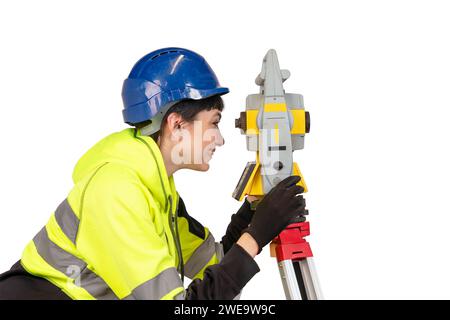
{"points": [[275, 124]]}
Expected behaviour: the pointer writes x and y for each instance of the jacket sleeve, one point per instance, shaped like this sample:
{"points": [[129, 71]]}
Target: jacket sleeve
{"points": [[213, 277], [225, 280], [120, 240]]}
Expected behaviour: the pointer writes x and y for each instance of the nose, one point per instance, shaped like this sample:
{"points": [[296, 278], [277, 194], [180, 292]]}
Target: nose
{"points": [[220, 141]]}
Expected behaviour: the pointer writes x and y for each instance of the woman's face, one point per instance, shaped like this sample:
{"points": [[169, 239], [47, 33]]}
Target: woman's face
{"points": [[197, 141]]}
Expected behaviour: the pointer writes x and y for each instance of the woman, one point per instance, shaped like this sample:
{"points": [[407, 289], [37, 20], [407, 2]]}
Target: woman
{"points": [[123, 231]]}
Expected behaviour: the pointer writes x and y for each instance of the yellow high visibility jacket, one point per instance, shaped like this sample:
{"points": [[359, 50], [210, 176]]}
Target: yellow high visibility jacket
{"points": [[123, 231]]}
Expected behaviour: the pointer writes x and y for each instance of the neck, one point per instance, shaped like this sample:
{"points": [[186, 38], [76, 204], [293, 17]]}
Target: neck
{"points": [[171, 168]]}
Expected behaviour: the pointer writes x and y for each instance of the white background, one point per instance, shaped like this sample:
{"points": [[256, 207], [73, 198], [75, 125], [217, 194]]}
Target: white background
{"points": [[375, 77]]}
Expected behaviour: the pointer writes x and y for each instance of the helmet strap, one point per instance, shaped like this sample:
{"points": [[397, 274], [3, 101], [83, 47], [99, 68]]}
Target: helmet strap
{"points": [[155, 124]]}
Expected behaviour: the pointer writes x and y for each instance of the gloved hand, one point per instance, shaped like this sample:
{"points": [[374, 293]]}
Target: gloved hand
{"points": [[276, 211], [239, 221]]}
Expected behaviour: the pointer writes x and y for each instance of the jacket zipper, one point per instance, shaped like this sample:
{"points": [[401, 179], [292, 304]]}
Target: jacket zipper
{"points": [[173, 223]]}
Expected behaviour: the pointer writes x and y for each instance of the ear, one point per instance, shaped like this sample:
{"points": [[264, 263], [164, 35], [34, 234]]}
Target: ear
{"points": [[174, 121]]}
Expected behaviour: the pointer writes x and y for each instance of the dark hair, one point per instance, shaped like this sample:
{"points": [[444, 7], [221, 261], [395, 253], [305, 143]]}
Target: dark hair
{"points": [[188, 110]]}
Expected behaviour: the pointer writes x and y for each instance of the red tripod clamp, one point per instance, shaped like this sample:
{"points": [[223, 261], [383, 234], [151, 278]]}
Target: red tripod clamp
{"points": [[290, 245]]}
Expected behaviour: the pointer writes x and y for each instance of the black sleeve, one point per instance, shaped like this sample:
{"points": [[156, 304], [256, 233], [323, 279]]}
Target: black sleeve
{"points": [[225, 280], [239, 222]]}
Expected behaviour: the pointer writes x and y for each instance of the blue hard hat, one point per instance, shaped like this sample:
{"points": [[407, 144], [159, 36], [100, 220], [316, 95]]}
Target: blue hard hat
{"points": [[164, 77]]}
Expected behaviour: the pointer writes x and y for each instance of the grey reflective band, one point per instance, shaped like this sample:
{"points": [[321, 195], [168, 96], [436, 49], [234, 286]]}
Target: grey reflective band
{"points": [[157, 287], [67, 220], [96, 286], [71, 266], [219, 251], [200, 257], [180, 296]]}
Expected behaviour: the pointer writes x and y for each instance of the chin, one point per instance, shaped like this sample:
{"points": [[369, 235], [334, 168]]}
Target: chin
{"points": [[203, 167], [199, 167]]}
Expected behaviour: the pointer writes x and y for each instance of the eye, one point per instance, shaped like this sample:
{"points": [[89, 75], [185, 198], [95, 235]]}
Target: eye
{"points": [[216, 124]]}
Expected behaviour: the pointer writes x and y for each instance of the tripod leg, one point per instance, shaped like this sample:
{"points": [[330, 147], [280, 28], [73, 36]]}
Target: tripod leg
{"points": [[289, 280], [299, 279], [308, 273]]}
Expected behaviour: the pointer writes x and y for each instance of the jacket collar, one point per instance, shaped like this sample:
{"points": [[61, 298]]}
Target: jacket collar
{"points": [[158, 182]]}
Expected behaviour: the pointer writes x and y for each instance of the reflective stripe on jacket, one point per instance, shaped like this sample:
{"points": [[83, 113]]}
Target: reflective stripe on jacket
{"points": [[123, 232]]}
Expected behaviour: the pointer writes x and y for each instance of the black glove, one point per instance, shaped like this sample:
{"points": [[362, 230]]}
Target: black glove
{"points": [[276, 211], [239, 221]]}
